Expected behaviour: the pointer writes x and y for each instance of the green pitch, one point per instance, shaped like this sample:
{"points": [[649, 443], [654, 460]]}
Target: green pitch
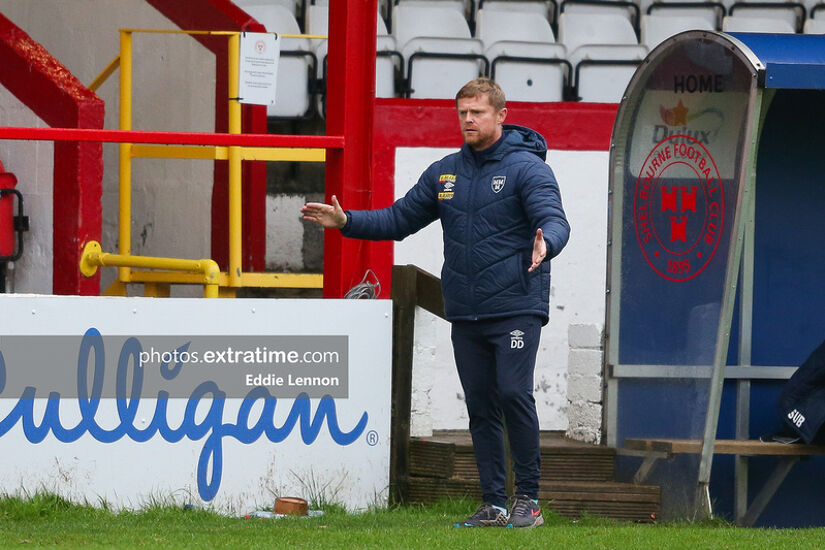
{"points": [[47, 520]]}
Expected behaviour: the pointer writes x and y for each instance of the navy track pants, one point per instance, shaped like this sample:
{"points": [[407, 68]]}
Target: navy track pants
{"points": [[495, 360]]}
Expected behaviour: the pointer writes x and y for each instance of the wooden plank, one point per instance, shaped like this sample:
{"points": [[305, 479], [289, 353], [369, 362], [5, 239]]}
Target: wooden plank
{"points": [[615, 500], [432, 459], [567, 466], [724, 446], [610, 487], [403, 319], [422, 489], [646, 513]]}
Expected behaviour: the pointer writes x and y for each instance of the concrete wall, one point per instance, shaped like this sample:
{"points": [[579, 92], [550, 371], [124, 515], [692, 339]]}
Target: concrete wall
{"points": [[584, 383], [576, 294], [33, 164], [174, 89]]}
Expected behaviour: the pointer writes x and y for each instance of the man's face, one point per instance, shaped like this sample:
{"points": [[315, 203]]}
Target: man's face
{"points": [[480, 122]]}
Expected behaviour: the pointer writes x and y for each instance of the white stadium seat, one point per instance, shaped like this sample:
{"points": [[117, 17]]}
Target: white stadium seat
{"points": [[793, 12], [292, 97], [604, 71], [525, 60], [604, 53], [815, 26], [457, 5], [439, 52], [318, 24], [385, 62], [712, 12], [657, 28], [629, 10], [735, 23], [580, 29], [536, 7], [542, 8]]}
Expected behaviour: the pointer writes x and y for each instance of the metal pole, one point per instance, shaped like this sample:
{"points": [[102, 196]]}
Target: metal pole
{"points": [[235, 204], [94, 257], [125, 187], [726, 314]]}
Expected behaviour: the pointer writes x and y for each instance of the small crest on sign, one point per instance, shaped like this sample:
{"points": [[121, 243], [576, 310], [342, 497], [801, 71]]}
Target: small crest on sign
{"points": [[498, 183]]}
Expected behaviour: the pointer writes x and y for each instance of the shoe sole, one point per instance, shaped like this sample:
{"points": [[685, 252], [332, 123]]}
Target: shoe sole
{"points": [[537, 523]]}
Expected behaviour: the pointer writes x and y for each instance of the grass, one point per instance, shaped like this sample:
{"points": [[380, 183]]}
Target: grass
{"points": [[49, 520]]}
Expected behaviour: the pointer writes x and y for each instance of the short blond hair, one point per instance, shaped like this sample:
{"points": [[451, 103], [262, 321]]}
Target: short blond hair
{"points": [[483, 86]]}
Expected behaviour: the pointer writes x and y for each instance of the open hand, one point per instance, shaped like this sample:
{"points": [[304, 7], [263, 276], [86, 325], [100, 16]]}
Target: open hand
{"points": [[539, 250], [331, 216]]}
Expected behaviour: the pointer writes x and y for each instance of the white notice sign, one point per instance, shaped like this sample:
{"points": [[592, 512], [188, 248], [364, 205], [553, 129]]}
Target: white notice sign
{"points": [[258, 67]]}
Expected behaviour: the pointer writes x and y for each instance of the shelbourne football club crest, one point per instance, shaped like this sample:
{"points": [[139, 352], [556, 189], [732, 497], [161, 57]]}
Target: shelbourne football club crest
{"points": [[679, 208], [498, 183]]}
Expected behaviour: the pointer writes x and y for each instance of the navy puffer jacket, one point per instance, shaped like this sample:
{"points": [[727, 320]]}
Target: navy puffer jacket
{"points": [[490, 205]]}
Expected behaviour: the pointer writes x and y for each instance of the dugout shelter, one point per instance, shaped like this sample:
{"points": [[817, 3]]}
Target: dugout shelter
{"points": [[715, 272]]}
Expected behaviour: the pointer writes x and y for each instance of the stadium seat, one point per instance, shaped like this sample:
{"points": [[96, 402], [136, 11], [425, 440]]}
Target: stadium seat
{"points": [[712, 12], [604, 53], [627, 9], [816, 10], [439, 52], [385, 63], [524, 58], [461, 6], [582, 29], [657, 28], [543, 8], [388, 60], [317, 23], [292, 97], [602, 72], [792, 12], [815, 26], [457, 5], [736, 23]]}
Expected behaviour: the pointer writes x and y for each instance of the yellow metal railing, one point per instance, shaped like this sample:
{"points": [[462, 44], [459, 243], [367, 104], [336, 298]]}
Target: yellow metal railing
{"points": [[182, 271]]}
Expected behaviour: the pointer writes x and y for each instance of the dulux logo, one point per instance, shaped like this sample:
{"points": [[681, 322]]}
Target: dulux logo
{"points": [[212, 428]]}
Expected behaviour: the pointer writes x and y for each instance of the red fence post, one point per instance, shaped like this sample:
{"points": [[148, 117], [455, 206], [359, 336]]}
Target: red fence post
{"points": [[350, 112]]}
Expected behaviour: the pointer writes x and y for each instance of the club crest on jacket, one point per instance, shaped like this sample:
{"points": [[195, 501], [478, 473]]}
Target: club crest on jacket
{"points": [[498, 183]]}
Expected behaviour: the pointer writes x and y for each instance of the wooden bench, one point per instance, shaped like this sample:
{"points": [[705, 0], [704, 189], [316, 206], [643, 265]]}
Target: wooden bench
{"points": [[653, 450]]}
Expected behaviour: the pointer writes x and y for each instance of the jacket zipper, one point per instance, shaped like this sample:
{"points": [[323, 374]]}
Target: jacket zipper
{"points": [[470, 212]]}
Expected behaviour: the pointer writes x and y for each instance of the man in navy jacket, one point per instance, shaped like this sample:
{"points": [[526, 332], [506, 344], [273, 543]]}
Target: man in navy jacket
{"points": [[502, 217]]}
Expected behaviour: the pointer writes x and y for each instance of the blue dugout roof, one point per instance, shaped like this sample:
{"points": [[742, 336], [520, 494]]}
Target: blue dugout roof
{"points": [[792, 61]]}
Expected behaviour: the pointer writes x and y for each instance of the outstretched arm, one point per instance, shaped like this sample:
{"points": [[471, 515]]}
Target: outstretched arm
{"points": [[405, 216], [330, 216]]}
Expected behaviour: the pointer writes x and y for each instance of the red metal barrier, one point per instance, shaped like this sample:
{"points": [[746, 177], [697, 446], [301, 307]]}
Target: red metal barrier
{"points": [[50, 90], [170, 138]]}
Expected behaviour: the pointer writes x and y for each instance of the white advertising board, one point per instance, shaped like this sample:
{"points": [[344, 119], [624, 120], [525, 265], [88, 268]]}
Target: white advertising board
{"points": [[119, 429]]}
